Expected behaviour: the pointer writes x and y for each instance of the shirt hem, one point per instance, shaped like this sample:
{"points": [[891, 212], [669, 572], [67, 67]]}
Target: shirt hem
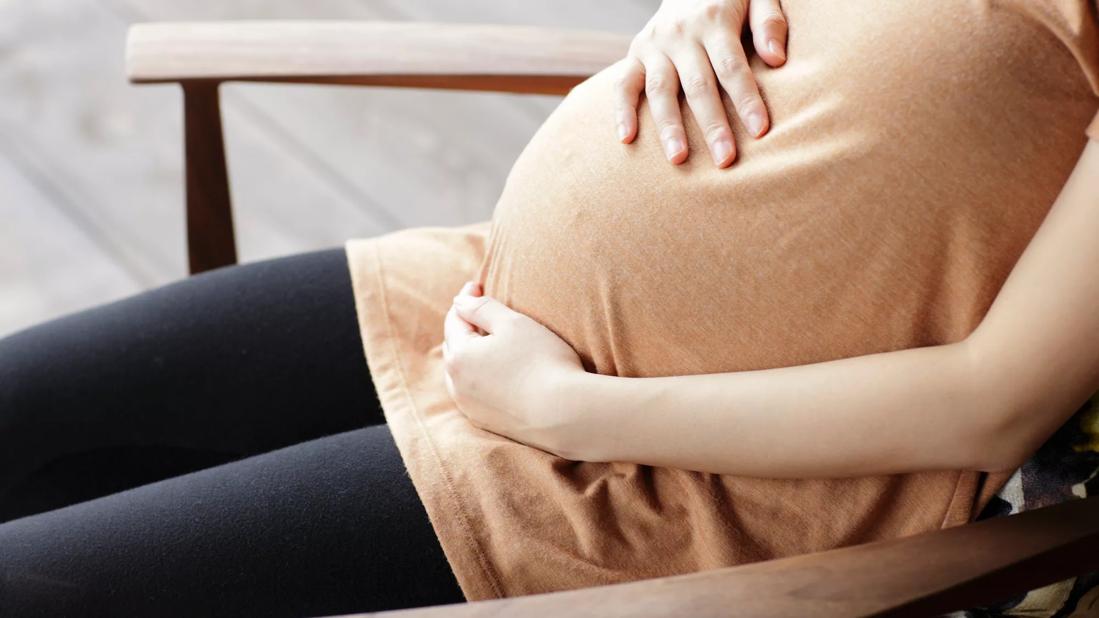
{"points": [[448, 518]]}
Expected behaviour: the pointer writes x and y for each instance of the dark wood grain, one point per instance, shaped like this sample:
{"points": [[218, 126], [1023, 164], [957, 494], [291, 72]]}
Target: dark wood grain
{"points": [[210, 240], [920, 575]]}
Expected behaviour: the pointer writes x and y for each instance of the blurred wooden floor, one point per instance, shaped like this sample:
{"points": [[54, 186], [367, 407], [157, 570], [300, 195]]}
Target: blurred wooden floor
{"points": [[91, 204]]}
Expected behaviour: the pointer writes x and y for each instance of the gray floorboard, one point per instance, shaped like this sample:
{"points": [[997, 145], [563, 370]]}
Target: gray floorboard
{"points": [[91, 167]]}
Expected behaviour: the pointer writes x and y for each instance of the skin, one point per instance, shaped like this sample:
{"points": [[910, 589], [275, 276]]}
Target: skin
{"points": [[984, 403], [695, 44]]}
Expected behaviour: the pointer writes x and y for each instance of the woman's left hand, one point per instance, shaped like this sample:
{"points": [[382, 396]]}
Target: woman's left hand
{"points": [[512, 379]]}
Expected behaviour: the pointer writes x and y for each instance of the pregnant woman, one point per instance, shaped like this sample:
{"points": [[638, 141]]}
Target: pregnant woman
{"points": [[837, 293]]}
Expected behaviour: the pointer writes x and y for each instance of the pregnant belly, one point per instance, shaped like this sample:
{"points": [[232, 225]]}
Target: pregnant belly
{"points": [[649, 269]]}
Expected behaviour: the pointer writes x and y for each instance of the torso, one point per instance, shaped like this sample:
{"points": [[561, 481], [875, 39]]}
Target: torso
{"points": [[915, 148], [908, 165]]}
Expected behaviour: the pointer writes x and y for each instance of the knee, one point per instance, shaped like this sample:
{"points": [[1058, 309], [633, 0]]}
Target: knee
{"points": [[37, 376], [15, 383]]}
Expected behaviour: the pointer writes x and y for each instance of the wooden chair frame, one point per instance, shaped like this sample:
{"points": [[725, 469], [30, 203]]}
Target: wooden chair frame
{"points": [[935, 572]]}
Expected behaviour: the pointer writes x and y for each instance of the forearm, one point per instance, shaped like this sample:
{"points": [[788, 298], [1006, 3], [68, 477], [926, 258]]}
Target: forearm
{"points": [[893, 412], [987, 402]]}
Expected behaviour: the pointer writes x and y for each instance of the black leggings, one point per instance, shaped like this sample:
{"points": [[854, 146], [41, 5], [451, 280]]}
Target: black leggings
{"points": [[211, 447]]}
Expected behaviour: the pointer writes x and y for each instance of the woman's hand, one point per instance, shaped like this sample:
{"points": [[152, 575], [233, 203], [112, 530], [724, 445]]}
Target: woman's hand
{"points": [[510, 379], [687, 42]]}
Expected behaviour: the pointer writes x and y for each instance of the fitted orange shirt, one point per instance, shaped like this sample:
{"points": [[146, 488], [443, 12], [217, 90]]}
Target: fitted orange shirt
{"points": [[915, 148]]}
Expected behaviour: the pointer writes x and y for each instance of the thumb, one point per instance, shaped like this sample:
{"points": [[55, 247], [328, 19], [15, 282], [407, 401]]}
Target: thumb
{"points": [[484, 312]]}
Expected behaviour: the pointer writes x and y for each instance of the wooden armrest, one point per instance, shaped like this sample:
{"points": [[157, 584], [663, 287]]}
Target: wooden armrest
{"points": [[471, 57], [920, 575], [199, 56]]}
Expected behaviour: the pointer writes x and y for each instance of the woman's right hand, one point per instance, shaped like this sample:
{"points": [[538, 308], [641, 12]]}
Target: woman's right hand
{"points": [[689, 42]]}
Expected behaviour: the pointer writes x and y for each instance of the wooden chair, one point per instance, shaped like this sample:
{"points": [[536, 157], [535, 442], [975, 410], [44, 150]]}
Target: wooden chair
{"points": [[920, 575]]}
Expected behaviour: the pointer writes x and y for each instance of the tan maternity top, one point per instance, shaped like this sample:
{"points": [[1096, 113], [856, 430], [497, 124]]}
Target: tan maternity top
{"points": [[915, 149]]}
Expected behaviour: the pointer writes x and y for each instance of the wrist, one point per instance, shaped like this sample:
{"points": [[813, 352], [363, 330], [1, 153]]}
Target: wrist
{"points": [[581, 407], [568, 405]]}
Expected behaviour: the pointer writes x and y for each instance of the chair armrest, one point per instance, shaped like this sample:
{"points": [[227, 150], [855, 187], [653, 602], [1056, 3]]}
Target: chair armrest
{"points": [[470, 57], [919, 575], [200, 56]]}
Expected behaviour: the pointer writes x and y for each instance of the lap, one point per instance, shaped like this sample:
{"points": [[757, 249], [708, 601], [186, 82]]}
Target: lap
{"points": [[226, 364], [217, 448], [328, 526]]}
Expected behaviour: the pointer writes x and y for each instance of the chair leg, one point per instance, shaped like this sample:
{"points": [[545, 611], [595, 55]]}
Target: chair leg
{"points": [[210, 239]]}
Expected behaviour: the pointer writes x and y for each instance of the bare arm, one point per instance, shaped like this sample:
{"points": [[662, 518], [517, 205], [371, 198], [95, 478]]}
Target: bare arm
{"points": [[985, 403]]}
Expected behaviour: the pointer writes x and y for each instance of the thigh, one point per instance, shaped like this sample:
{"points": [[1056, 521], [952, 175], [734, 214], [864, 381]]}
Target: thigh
{"points": [[226, 364], [324, 527]]}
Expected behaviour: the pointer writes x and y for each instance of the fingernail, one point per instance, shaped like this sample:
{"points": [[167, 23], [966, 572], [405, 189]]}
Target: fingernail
{"points": [[672, 147], [776, 48], [721, 150], [755, 123], [622, 132]]}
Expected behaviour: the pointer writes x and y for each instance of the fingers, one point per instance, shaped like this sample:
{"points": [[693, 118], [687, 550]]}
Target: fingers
{"points": [[483, 312], [727, 58], [628, 89], [768, 25], [693, 44], [455, 329], [662, 91], [456, 332], [700, 87], [471, 287]]}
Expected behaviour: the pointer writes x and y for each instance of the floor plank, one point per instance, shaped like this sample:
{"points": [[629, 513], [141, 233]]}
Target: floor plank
{"points": [[41, 240], [422, 157], [310, 166]]}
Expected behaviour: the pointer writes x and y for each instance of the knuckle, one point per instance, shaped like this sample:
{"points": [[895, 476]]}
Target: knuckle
{"points": [[747, 103], [669, 29], [669, 128], [478, 308], [696, 85], [773, 20], [625, 81], [657, 83], [714, 130], [509, 323], [729, 67], [712, 11]]}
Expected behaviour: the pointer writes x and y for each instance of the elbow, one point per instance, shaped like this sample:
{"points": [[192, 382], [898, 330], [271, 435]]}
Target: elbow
{"points": [[1002, 436], [997, 459], [1002, 440], [1002, 451]]}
